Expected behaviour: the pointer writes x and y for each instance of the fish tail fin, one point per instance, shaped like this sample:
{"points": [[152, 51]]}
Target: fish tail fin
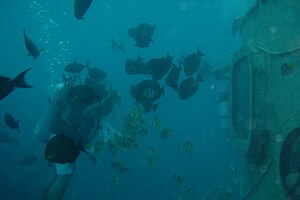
{"points": [[91, 157], [199, 53], [17, 126], [87, 65], [19, 81]]}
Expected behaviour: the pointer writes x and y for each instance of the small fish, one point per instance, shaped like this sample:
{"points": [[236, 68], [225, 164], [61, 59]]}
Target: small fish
{"points": [[188, 147], [187, 189], [123, 169], [11, 122], [147, 161], [116, 180], [165, 133], [151, 152], [155, 122], [288, 68], [178, 178], [143, 132], [233, 168], [30, 160], [117, 45], [117, 164], [31, 47], [178, 195], [8, 85]]}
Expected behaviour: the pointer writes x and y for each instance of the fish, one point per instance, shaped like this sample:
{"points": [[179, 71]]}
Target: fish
{"points": [[233, 168], [192, 62], [188, 87], [81, 95], [147, 89], [185, 188], [165, 133], [75, 67], [117, 164], [136, 66], [159, 67], [11, 122], [80, 8], [31, 47], [8, 85], [117, 45], [187, 146], [142, 34], [235, 28], [151, 152], [178, 178], [173, 77], [115, 180], [288, 68], [143, 132], [147, 161], [4, 138], [27, 161], [62, 149], [155, 122]]}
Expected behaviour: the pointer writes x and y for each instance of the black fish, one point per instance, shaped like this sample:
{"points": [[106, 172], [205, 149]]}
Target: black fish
{"points": [[159, 67], [188, 87], [80, 7], [11, 122], [30, 160], [142, 34], [97, 74], [75, 67], [4, 138], [7, 85], [137, 66], [31, 47], [81, 95], [192, 63], [173, 77], [61, 149]]}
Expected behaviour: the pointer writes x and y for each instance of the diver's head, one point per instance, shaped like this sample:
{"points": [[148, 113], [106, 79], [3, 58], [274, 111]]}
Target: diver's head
{"points": [[96, 80]]}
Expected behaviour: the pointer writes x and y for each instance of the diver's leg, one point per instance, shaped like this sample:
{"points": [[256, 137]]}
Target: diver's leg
{"points": [[64, 174], [58, 189], [47, 187]]}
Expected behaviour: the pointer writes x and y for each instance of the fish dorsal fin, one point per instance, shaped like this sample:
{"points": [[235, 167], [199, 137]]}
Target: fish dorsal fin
{"points": [[199, 53]]}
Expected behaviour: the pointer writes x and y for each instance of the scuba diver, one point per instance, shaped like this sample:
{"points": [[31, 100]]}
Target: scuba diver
{"points": [[71, 120]]}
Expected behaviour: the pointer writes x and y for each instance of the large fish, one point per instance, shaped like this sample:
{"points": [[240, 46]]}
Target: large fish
{"points": [[80, 7], [62, 149], [142, 34], [173, 77], [11, 122], [8, 85], [159, 67], [75, 67], [188, 87], [192, 63], [31, 47], [4, 138], [137, 66]]}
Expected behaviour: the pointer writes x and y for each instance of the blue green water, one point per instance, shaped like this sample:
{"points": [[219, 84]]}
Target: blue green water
{"points": [[182, 26]]}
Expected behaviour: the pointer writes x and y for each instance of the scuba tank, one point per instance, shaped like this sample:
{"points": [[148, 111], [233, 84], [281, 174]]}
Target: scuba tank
{"points": [[52, 111]]}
